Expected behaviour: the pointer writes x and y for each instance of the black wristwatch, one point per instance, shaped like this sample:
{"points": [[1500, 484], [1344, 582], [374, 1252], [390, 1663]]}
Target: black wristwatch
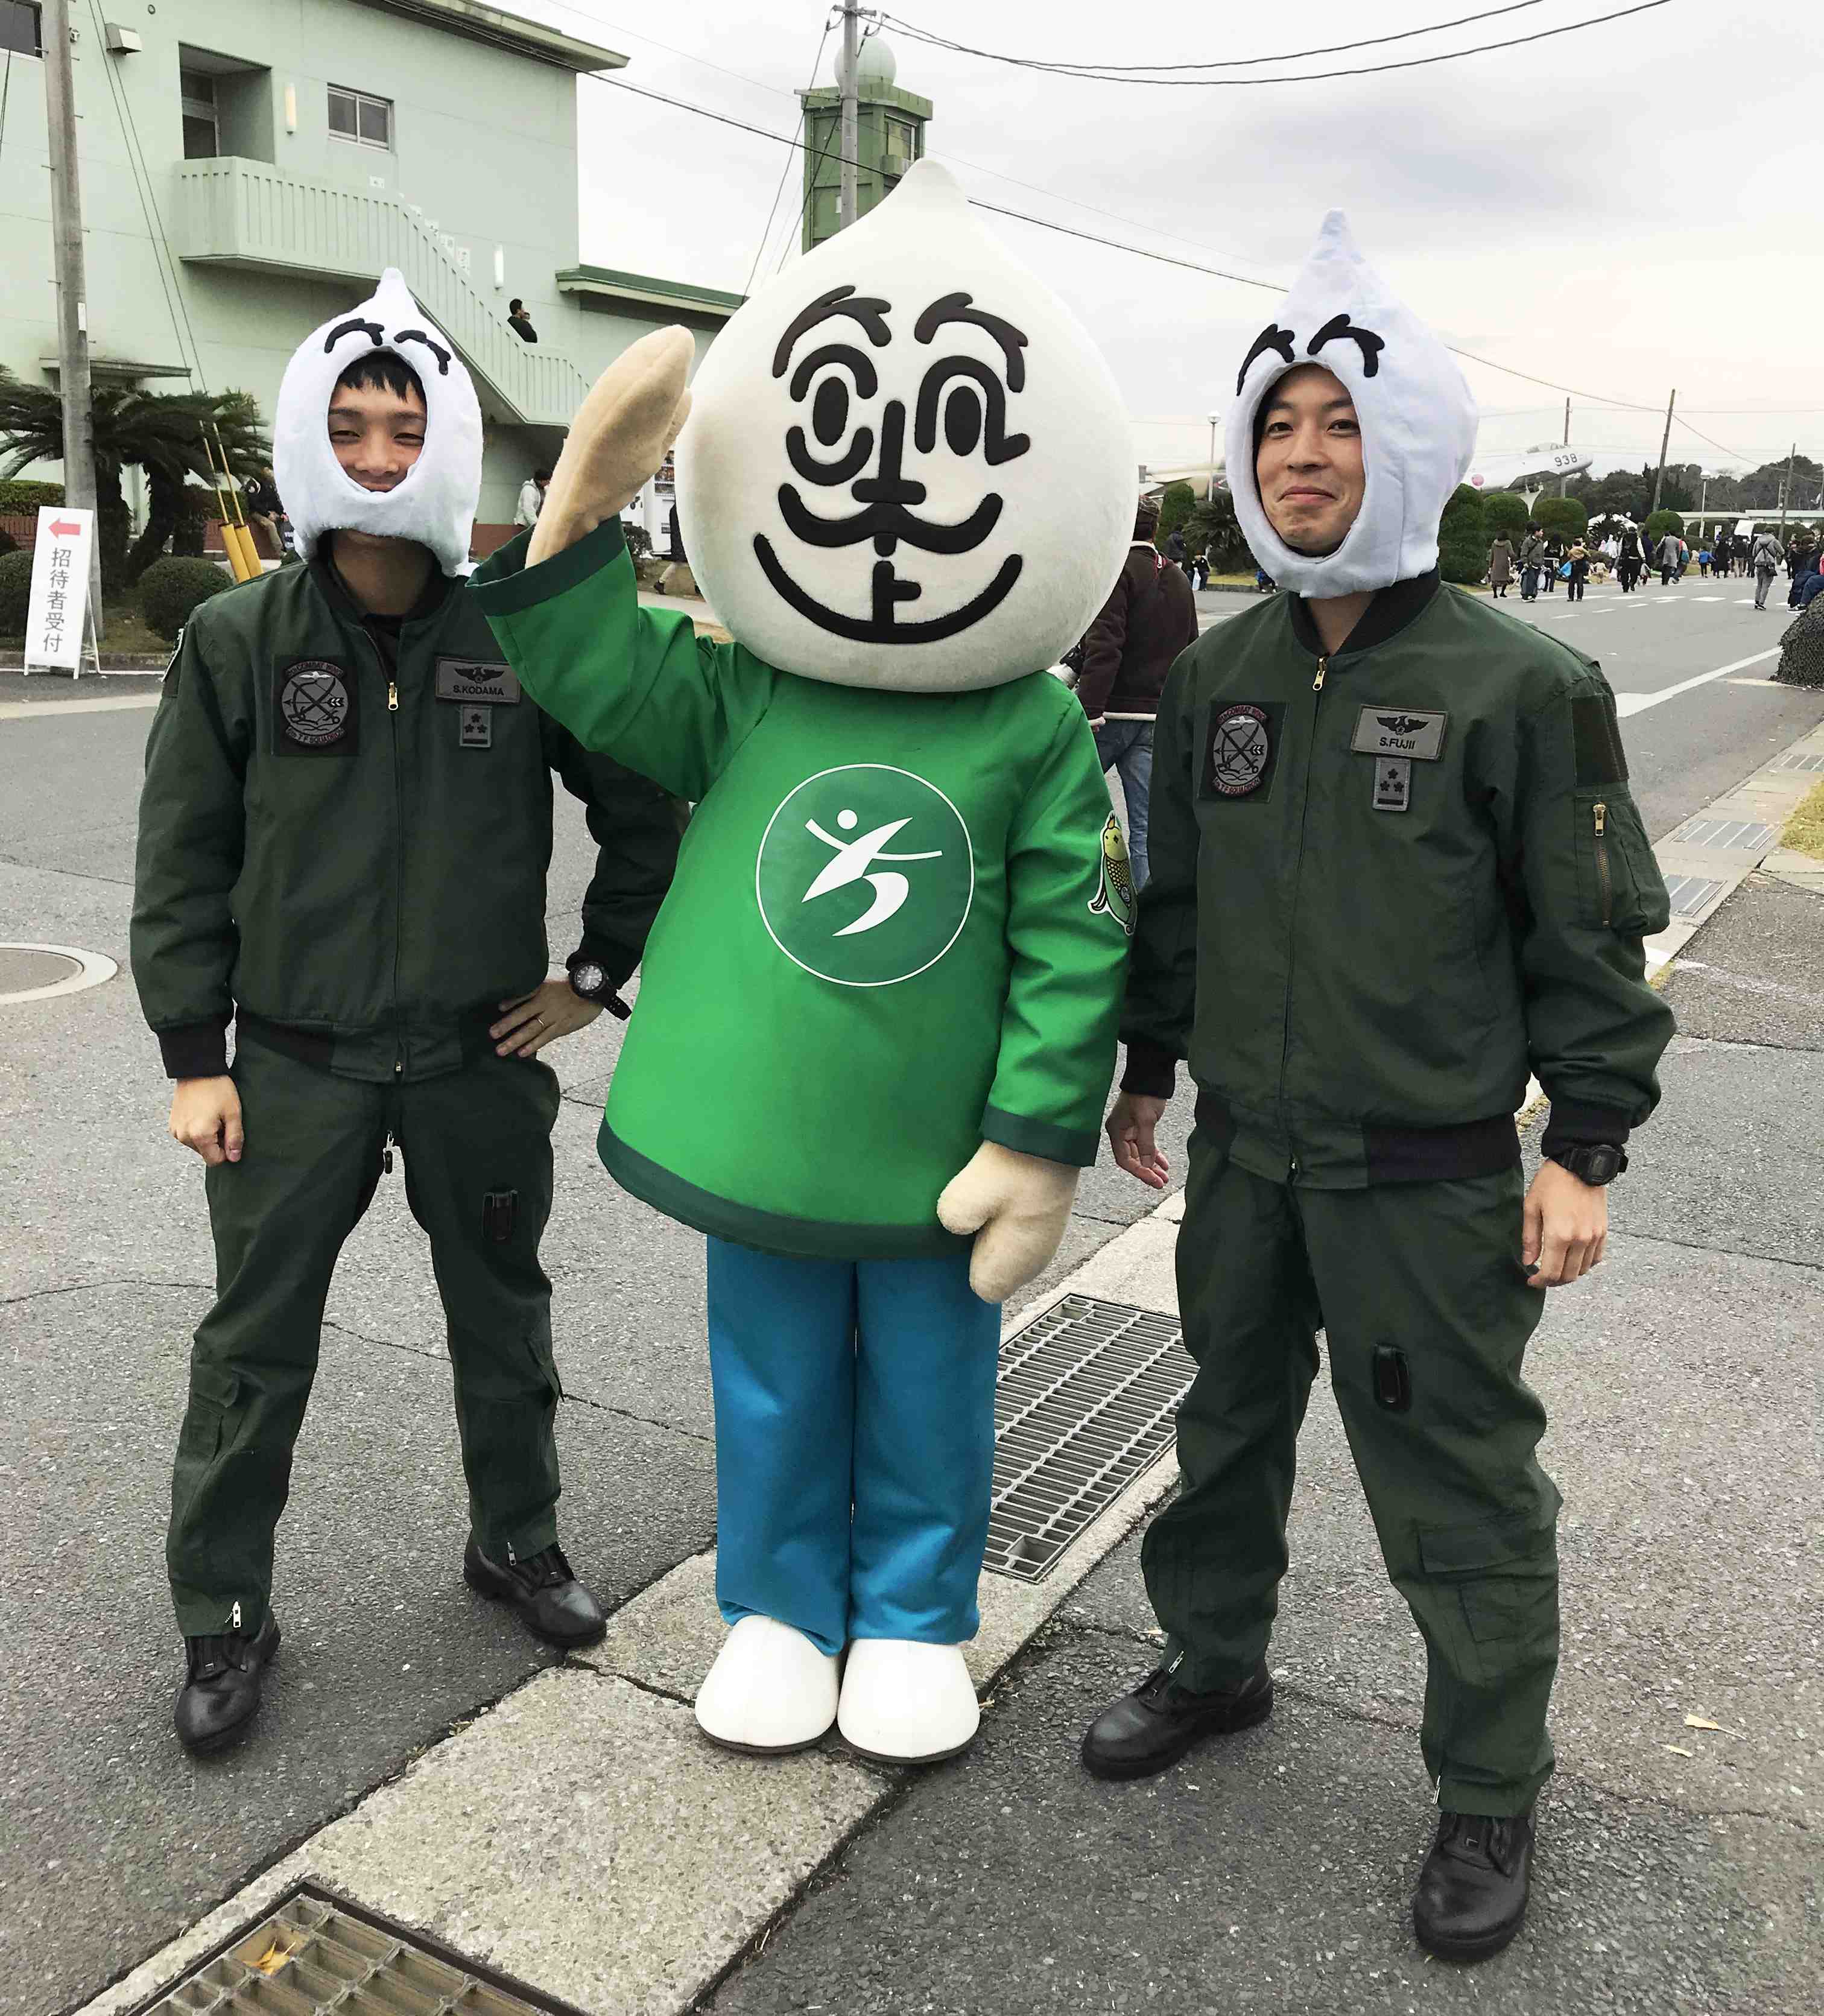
{"points": [[588, 980], [1590, 1161]]}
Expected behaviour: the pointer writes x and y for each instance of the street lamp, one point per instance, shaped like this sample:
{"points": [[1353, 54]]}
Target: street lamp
{"points": [[1209, 495]]}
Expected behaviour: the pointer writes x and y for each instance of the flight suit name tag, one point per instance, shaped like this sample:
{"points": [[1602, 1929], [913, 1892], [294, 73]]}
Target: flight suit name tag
{"points": [[477, 680], [1410, 732]]}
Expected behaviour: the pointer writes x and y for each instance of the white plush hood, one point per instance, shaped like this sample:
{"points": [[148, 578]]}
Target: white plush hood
{"points": [[435, 505], [907, 465], [1418, 420]]}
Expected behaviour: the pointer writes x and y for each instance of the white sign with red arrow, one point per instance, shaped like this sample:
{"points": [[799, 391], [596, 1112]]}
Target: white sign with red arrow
{"points": [[54, 624]]}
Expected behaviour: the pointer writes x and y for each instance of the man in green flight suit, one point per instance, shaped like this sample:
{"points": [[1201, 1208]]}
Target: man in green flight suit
{"points": [[344, 834], [1395, 869]]}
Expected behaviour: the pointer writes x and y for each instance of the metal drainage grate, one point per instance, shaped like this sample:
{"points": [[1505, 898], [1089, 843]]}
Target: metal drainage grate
{"points": [[1088, 1395], [317, 1952], [1690, 894], [1723, 833], [1801, 761]]}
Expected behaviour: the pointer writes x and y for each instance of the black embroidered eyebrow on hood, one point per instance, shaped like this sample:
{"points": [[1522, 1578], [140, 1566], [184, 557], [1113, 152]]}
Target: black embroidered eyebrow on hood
{"points": [[1372, 345], [1272, 337], [436, 349], [375, 333]]}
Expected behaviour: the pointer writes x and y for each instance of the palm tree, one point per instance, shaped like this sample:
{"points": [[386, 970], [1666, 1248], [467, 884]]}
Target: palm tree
{"points": [[160, 432]]}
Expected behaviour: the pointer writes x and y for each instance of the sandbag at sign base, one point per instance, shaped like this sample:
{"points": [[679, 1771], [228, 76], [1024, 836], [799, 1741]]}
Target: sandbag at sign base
{"points": [[906, 1703], [769, 1691]]}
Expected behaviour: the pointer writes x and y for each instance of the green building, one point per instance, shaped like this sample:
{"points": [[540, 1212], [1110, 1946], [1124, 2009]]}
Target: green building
{"points": [[890, 126], [248, 167]]}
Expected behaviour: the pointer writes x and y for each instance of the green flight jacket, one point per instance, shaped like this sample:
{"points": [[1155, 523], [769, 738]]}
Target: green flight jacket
{"points": [[893, 935], [1388, 884], [345, 829]]}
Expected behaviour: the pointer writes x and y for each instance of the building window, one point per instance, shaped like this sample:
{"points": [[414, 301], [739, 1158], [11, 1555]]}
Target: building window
{"points": [[201, 123], [902, 138], [21, 28], [355, 115]]}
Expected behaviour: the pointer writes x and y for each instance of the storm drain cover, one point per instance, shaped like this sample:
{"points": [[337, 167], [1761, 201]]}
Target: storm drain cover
{"points": [[1088, 1401], [1724, 833], [317, 1953], [1689, 894], [1801, 761]]}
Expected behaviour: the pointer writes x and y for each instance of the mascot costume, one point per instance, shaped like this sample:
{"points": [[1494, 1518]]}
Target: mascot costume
{"points": [[877, 1021]]}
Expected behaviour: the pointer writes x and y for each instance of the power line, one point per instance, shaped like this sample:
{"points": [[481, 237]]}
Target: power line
{"points": [[766, 230], [1304, 77], [1214, 63], [1138, 251]]}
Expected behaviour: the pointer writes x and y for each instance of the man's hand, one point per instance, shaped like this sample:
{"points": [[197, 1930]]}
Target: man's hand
{"points": [[1565, 1226], [206, 1115], [622, 432], [1130, 1127], [549, 1011]]}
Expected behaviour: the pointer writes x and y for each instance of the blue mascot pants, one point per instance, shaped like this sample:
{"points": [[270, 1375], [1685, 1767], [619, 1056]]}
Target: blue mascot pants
{"points": [[855, 1443]]}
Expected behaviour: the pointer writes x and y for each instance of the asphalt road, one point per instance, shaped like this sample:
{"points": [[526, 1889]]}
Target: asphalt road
{"points": [[1686, 749]]}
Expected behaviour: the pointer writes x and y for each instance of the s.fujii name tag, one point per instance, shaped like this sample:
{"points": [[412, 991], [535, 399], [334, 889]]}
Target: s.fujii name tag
{"points": [[1400, 731]]}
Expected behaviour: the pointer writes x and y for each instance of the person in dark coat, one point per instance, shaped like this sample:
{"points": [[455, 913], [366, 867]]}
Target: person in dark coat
{"points": [[1150, 616], [521, 321], [1175, 548]]}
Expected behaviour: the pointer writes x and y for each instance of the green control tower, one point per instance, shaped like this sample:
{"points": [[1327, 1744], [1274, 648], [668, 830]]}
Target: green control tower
{"points": [[891, 123]]}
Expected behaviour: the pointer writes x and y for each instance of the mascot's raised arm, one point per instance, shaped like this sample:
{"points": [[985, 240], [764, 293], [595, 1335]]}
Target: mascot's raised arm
{"points": [[876, 1020]]}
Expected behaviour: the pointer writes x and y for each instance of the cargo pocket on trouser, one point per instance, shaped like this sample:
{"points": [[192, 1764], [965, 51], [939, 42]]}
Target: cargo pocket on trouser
{"points": [[196, 1544], [1487, 1596]]}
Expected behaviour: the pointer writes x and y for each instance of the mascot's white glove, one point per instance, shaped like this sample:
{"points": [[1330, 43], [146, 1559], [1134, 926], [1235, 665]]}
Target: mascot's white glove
{"points": [[1017, 1206], [622, 432]]}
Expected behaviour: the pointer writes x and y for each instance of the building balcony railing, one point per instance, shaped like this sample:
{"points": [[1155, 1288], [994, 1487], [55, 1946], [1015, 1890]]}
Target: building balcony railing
{"points": [[250, 213]]}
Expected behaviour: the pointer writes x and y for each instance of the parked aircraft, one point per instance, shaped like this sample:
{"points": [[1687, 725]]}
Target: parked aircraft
{"points": [[1529, 470]]}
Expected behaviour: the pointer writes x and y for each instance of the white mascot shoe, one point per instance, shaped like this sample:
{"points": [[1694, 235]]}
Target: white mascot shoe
{"points": [[769, 1691], [906, 1703]]}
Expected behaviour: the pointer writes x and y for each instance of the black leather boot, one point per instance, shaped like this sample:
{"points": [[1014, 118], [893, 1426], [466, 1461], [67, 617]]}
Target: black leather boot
{"points": [[1152, 1727], [1472, 1892], [543, 1588], [220, 1693]]}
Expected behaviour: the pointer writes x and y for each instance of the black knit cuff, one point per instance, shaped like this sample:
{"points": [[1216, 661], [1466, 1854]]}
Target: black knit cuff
{"points": [[1572, 1121], [195, 1050], [1152, 1070]]}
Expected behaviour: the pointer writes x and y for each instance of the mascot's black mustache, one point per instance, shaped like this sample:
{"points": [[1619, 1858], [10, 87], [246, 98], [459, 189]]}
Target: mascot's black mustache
{"points": [[888, 523]]}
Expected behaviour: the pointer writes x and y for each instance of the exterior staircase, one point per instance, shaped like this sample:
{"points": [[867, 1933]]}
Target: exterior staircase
{"points": [[250, 215]]}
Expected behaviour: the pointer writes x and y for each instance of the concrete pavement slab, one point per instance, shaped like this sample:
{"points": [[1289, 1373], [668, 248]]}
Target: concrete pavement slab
{"points": [[1755, 974], [1271, 1873], [111, 1838]]}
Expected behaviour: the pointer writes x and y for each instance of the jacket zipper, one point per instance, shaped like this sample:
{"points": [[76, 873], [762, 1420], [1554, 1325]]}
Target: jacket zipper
{"points": [[1601, 811], [398, 832], [1317, 688]]}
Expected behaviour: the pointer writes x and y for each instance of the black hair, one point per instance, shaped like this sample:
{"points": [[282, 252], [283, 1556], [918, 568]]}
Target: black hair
{"points": [[382, 371], [540, 475], [515, 305]]}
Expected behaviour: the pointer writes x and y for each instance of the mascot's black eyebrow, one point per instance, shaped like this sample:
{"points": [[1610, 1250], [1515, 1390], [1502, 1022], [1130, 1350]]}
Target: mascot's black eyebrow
{"points": [[870, 313], [374, 332], [1272, 337], [1372, 345], [436, 349], [959, 308]]}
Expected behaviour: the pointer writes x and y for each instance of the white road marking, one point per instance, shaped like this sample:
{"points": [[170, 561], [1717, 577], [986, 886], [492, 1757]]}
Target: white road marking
{"points": [[1637, 702], [49, 710], [1779, 685]]}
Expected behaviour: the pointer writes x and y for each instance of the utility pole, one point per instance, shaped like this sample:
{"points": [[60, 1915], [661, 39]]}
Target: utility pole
{"points": [[1567, 423], [1786, 483], [79, 489], [850, 83], [1665, 441], [1209, 495]]}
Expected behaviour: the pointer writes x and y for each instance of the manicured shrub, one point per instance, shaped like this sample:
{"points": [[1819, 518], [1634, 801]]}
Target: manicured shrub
{"points": [[15, 592], [1462, 545], [169, 589], [1504, 513], [1176, 504], [17, 496], [1661, 523], [1565, 516]]}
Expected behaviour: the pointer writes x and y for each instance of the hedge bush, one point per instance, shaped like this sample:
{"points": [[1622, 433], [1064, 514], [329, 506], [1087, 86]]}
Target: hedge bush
{"points": [[1505, 512], [1567, 517], [1176, 504], [169, 589], [15, 592], [17, 496], [1462, 550], [1661, 523]]}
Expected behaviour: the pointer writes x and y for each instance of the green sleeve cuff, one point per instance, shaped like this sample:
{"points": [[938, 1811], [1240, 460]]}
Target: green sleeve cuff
{"points": [[1072, 1145], [506, 585]]}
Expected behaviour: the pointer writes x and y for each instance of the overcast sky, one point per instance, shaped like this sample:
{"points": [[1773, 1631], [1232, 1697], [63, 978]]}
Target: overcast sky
{"points": [[1621, 210]]}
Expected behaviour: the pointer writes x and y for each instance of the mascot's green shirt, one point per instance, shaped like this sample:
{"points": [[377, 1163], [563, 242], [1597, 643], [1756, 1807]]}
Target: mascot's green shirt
{"points": [[899, 926]]}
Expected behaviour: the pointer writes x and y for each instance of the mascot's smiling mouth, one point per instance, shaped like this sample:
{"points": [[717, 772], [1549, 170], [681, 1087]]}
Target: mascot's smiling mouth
{"points": [[889, 592]]}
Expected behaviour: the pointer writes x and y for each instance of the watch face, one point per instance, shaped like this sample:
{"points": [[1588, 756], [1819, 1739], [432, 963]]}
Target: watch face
{"points": [[588, 978]]}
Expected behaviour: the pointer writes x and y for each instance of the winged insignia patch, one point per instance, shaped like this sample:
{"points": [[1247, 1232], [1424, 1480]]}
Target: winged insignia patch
{"points": [[1401, 724]]}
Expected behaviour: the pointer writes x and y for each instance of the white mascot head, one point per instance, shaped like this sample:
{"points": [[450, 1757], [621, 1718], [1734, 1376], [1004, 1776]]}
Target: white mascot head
{"points": [[435, 505], [906, 464], [1418, 420]]}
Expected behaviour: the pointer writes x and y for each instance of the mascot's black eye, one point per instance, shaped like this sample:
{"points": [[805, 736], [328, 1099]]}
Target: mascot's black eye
{"points": [[829, 411], [962, 420]]}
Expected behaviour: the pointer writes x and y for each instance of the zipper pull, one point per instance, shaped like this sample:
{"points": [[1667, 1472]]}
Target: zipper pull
{"points": [[392, 696], [387, 1157], [1317, 684], [1602, 812]]}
